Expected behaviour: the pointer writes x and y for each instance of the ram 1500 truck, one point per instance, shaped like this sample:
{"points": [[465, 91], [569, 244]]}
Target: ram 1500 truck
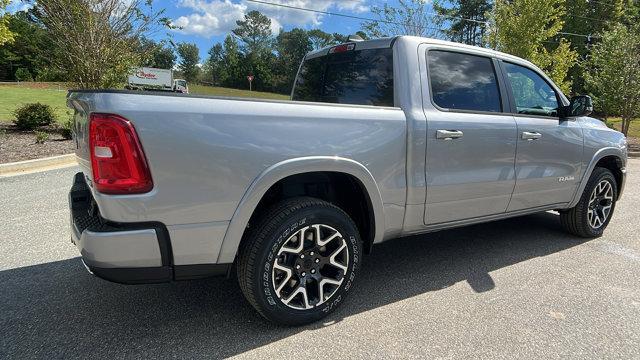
{"points": [[381, 139]]}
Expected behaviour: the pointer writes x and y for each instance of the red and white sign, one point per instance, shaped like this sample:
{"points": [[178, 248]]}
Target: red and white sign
{"points": [[250, 78]]}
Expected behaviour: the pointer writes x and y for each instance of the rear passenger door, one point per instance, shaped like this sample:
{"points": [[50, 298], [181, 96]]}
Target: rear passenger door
{"points": [[548, 161], [471, 138]]}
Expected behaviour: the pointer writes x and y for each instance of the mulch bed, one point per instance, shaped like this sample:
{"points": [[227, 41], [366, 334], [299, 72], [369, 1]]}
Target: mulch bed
{"points": [[633, 144], [18, 145]]}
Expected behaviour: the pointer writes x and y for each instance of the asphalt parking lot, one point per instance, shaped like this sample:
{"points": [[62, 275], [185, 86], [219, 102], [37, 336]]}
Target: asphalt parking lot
{"points": [[518, 288]]}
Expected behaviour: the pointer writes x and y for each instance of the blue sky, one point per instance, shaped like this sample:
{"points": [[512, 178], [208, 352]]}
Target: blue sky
{"points": [[206, 22]]}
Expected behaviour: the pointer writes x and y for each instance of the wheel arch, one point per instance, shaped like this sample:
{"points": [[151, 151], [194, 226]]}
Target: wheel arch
{"points": [[301, 166], [611, 158]]}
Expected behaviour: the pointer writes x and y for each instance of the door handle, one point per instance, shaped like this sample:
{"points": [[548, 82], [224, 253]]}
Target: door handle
{"points": [[530, 136], [449, 134]]}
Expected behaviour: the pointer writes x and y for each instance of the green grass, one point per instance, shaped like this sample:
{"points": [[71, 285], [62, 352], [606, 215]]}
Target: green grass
{"points": [[634, 129], [219, 91], [54, 94], [13, 96]]}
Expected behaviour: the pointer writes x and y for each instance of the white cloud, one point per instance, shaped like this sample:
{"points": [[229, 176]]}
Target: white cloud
{"points": [[18, 5], [216, 17], [210, 17]]}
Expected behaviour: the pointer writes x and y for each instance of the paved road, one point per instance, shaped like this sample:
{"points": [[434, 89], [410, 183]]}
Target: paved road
{"points": [[519, 288]]}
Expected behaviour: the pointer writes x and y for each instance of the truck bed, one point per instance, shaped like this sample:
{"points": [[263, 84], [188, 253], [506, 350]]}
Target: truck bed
{"points": [[204, 153]]}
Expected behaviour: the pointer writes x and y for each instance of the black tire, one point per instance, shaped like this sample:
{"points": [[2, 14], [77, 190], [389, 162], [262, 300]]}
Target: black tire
{"points": [[576, 219], [262, 247]]}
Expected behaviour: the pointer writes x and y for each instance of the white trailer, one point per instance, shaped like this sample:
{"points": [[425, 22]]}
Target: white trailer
{"points": [[156, 79]]}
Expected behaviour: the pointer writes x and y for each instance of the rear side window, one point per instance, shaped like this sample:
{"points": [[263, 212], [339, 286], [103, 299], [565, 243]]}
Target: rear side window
{"points": [[360, 77], [463, 82]]}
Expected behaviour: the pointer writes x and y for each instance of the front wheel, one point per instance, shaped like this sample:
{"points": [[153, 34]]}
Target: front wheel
{"points": [[593, 212], [300, 260]]}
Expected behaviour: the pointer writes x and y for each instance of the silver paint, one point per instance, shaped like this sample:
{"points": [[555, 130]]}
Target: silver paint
{"points": [[212, 159]]}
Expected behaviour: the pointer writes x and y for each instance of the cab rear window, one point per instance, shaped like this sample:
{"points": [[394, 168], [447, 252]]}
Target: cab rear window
{"points": [[359, 77]]}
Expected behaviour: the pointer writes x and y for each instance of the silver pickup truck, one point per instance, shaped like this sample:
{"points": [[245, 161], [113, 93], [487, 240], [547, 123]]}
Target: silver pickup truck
{"points": [[382, 139]]}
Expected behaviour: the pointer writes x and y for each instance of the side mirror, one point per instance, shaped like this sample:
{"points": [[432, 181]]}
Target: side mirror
{"points": [[580, 106]]}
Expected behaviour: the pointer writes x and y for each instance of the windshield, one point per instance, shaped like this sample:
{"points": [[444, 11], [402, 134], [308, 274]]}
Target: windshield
{"points": [[182, 83], [360, 77]]}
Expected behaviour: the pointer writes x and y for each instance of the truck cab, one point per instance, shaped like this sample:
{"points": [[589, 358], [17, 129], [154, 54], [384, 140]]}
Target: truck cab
{"points": [[180, 86]]}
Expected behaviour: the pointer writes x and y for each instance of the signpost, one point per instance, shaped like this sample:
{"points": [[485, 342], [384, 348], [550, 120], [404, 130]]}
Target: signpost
{"points": [[250, 78]]}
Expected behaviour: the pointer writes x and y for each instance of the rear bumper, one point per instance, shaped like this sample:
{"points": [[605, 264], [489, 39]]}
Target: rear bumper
{"points": [[128, 253]]}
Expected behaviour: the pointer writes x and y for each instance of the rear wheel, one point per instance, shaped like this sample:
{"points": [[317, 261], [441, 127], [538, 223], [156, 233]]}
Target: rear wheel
{"points": [[299, 261], [593, 212]]}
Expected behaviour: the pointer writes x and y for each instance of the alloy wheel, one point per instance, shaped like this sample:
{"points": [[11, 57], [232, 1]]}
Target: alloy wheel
{"points": [[600, 204], [310, 266]]}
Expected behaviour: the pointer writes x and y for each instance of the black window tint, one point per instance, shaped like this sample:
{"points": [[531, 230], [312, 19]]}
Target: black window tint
{"points": [[532, 94], [361, 77], [463, 82]]}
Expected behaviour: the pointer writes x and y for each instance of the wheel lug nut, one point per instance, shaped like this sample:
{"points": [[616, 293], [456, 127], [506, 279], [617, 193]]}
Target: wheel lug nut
{"points": [[304, 274], [302, 256], [311, 253], [317, 261], [313, 271], [297, 267]]}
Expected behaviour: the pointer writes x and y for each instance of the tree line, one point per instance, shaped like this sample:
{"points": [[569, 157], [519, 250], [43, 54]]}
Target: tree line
{"points": [[39, 35], [585, 46]]}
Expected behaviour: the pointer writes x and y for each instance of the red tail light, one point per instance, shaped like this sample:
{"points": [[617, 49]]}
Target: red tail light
{"points": [[118, 162]]}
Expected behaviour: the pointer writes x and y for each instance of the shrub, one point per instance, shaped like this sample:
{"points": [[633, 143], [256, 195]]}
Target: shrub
{"points": [[23, 74], [609, 125], [41, 137], [30, 116], [50, 75], [66, 129]]}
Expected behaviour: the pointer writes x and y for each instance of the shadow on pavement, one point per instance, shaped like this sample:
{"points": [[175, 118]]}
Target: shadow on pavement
{"points": [[57, 310]]}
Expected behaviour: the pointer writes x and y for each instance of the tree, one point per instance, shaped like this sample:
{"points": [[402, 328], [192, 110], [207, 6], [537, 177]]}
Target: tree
{"points": [[189, 60], [233, 62], [409, 17], [257, 46], [156, 54], [23, 74], [591, 18], [466, 20], [32, 49], [612, 73], [524, 28], [340, 38], [5, 34], [320, 39], [164, 57], [161, 56], [215, 67], [254, 32], [97, 38], [292, 46]]}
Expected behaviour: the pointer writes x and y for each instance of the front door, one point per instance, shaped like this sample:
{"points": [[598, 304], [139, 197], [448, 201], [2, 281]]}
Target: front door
{"points": [[471, 139], [548, 160]]}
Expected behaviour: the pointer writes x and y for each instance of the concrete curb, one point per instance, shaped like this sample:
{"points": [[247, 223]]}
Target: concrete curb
{"points": [[634, 154], [37, 164]]}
